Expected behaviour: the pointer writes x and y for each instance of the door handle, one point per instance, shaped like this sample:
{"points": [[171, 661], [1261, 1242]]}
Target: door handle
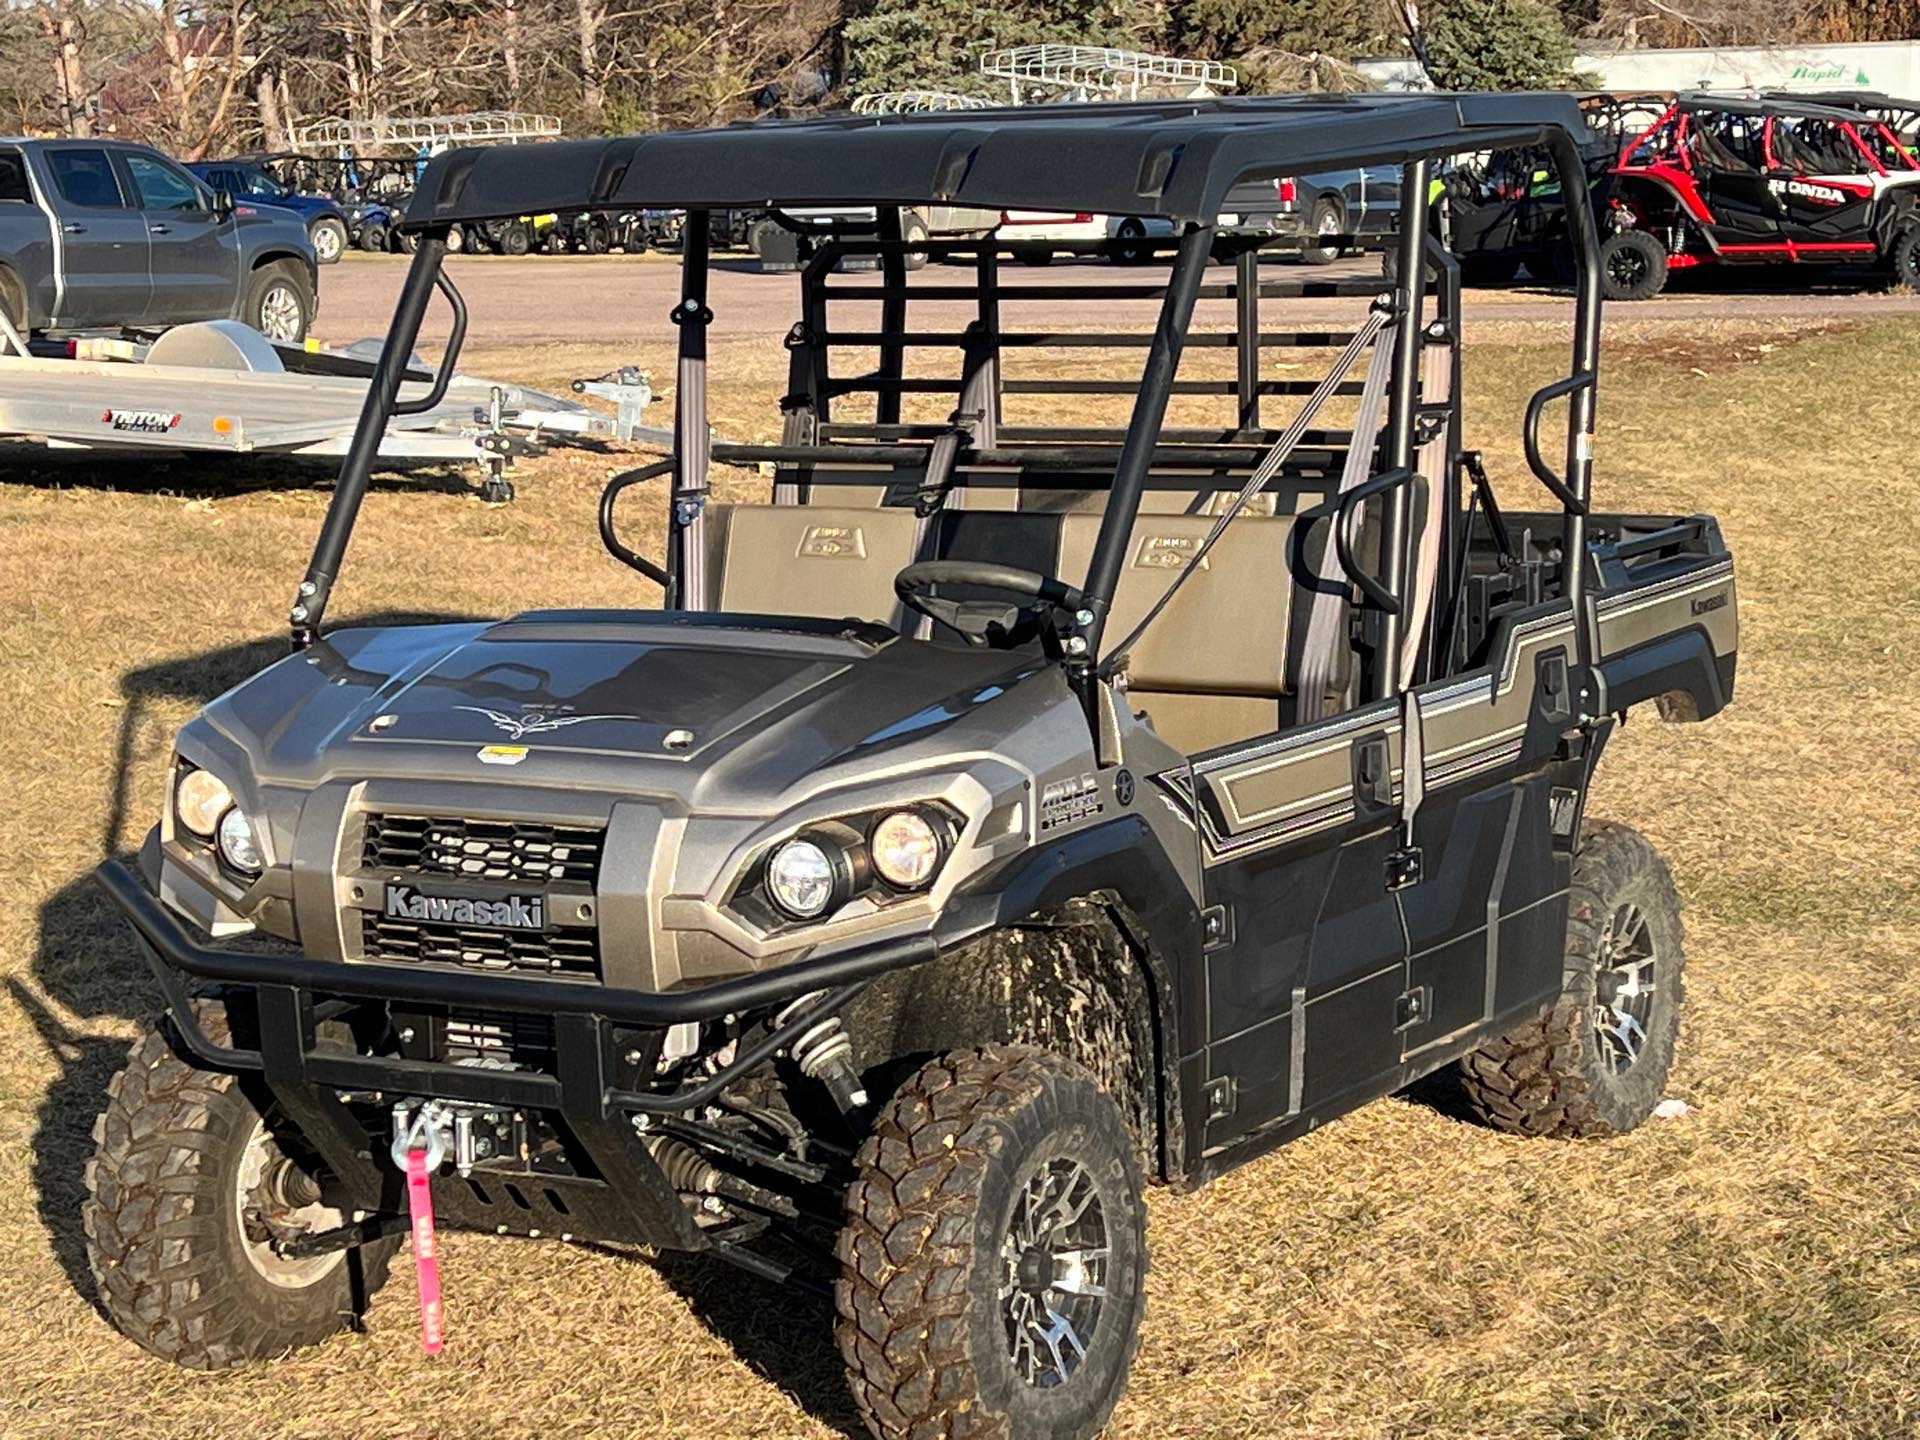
{"points": [[159, 230], [71, 228], [1372, 775]]}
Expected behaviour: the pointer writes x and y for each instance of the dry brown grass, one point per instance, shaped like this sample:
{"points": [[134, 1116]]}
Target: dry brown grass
{"points": [[1751, 1269]]}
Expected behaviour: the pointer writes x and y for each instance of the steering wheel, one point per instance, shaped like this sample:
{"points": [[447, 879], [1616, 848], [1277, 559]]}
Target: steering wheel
{"points": [[982, 622]]}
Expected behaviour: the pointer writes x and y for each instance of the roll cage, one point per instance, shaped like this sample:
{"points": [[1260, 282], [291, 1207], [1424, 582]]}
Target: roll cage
{"points": [[1172, 160]]}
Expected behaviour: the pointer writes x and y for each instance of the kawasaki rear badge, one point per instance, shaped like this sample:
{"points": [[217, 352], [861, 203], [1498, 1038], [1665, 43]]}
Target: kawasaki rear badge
{"points": [[516, 912], [531, 721]]}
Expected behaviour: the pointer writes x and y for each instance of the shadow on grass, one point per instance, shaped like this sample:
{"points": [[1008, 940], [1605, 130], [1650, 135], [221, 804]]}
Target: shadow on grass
{"points": [[208, 477], [782, 1333], [86, 960]]}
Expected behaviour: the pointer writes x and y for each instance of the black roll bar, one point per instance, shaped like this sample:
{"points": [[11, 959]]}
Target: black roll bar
{"points": [[1579, 388], [1143, 430], [1410, 288], [424, 276]]}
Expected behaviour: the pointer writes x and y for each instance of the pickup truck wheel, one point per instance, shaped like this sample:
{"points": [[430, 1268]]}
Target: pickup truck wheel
{"points": [[1325, 220], [329, 238], [1129, 245], [913, 230], [188, 1197], [279, 303], [13, 304], [1633, 266], [994, 1258], [1598, 1064]]}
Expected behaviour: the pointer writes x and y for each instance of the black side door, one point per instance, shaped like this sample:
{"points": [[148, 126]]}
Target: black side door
{"points": [[101, 240], [194, 253], [1306, 956], [1729, 159]]}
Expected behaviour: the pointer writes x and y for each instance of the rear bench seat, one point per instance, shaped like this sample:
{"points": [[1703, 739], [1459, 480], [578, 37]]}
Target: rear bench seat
{"points": [[1214, 667]]}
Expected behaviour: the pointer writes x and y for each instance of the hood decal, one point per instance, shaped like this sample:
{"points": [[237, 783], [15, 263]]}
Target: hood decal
{"points": [[533, 720]]}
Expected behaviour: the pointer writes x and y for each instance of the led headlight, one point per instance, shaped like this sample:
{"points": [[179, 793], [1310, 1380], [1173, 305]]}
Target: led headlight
{"points": [[238, 845], [199, 800], [802, 878], [905, 849]]}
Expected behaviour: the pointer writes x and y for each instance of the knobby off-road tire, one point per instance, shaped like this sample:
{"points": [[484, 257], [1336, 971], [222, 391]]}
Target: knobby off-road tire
{"points": [[1633, 266], [958, 1213], [1906, 255], [165, 1236], [1598, 1064]]}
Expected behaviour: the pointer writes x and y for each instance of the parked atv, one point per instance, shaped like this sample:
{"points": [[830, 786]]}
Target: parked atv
{"points": [[997, 817]]}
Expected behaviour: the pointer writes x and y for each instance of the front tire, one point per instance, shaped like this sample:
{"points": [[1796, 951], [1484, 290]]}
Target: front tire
{"points": [[994, 1259], [185, 1178], [329, 239], [515, 239], [1598, 1064], [373, 237], [279, 302], [1633, 266]]}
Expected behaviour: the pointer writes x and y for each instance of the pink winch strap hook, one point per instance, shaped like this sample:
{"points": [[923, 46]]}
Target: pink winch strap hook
{"points": [[426, 1252]]}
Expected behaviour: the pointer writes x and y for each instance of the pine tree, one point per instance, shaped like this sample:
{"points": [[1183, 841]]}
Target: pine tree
{"points": [[936, 44], [1499, 45]]}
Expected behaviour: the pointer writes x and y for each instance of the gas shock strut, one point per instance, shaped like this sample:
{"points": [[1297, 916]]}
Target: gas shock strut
{"points": [[824, 1053]]}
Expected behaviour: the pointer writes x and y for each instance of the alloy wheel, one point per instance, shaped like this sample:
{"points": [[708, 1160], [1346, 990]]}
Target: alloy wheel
{"points": [[1054, 1257]]}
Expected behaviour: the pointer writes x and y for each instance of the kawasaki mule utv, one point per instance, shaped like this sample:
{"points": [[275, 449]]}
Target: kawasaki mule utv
{"points": [[1009, 810]]}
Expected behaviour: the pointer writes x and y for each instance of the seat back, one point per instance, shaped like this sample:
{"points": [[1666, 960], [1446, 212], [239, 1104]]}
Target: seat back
{"points": [[834, 562]]}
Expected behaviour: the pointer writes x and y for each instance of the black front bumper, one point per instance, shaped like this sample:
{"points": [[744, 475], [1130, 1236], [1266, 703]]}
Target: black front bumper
{"points": [[593, 1090]]}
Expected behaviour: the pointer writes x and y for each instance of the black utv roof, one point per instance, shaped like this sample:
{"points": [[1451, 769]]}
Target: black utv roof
{"points": [[1170, 159], [1772, 103]]}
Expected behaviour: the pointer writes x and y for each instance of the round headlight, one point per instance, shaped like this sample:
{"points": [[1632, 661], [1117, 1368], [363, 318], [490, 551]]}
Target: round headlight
{"points": [[905, 849], [199, 800], [800, 877], [238, 846]]}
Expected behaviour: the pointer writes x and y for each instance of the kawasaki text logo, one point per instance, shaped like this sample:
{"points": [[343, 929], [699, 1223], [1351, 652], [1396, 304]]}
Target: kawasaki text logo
{"points": [[512, 913]]}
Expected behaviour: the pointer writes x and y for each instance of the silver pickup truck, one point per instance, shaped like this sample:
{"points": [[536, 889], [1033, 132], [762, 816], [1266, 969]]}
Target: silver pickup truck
{"points": [[104, 235]]}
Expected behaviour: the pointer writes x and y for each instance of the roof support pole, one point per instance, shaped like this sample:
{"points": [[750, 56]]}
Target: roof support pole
{"points": [[1580, 407], [1410, 290], [893, 314], [1143, 432], [692, 439], [310, 604], [1246, 324]]}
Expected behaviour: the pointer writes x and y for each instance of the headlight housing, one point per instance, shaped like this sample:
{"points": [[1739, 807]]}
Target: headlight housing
{"points": [[803, 877], [905, 848], [239, 846], [200, 798]]}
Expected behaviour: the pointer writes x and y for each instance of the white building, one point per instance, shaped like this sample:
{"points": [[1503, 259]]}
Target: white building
{"points": [[1889, 66]]}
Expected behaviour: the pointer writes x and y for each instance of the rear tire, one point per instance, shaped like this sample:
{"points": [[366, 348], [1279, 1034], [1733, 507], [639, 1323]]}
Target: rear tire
{"points": [[913, 230], [1325, 220], [1598, 1064], [1130, 244], [1906, 257], [514, 239], [994, 1259], [329, 238], [279, 302], [373, 237], [1033, 254], [1633, 266], [182, 1156]]}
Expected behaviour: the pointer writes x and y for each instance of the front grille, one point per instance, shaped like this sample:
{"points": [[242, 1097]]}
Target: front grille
{"points": [[564, 952], [522, 850]]}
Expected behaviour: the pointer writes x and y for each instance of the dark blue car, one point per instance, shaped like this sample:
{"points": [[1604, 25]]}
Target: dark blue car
{"points": [[251, 183]]}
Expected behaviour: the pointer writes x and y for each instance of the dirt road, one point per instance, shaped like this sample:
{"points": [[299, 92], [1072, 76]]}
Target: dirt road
{"points": [[623, 301]]}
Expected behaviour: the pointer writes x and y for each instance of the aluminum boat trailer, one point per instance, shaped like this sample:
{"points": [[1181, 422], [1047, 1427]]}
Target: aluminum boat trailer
{"points": [[221, 388]]}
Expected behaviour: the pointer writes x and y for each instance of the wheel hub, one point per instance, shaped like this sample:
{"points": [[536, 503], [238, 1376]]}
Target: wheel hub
{"points": [[1624, 988], [275, 1200], [1054, 1255]]}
